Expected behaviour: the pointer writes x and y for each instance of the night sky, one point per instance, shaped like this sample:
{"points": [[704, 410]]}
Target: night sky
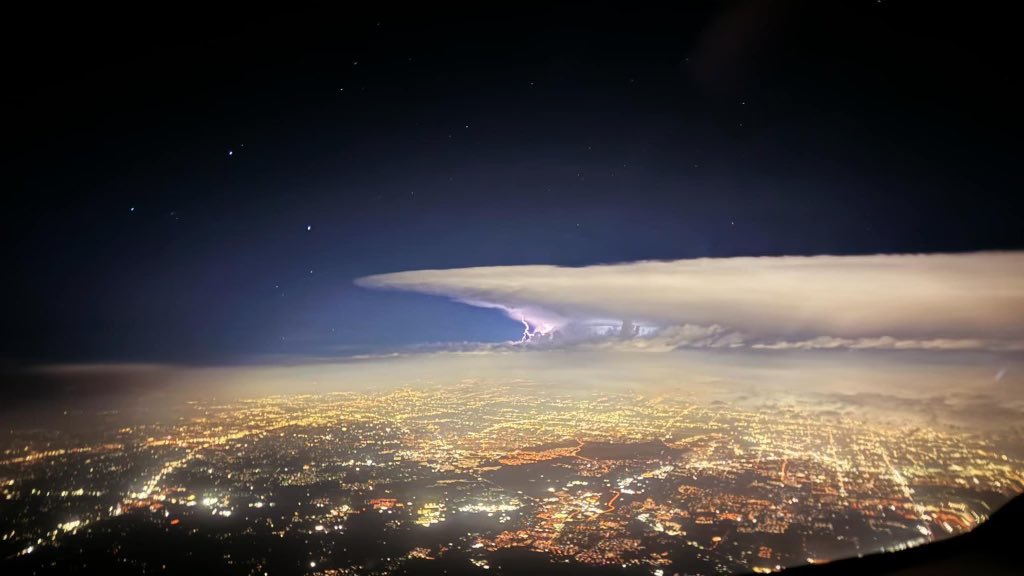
{"points": [[204, 188]]}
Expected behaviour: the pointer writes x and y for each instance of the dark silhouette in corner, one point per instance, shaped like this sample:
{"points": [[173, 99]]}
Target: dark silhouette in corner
{"points": [[989, 549]]}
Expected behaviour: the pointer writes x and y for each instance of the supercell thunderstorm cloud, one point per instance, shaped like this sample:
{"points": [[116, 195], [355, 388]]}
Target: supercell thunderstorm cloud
{"points": [[938, 301]]}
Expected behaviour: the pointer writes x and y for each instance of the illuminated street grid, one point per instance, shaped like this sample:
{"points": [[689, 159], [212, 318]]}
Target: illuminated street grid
{"points": [[655, 484]]}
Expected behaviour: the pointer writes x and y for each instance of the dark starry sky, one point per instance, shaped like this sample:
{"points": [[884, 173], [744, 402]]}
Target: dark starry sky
{"points": [[199, 187]]}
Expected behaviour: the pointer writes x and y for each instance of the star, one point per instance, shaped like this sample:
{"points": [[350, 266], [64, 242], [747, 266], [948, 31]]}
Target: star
{"points": [[309, 228]]}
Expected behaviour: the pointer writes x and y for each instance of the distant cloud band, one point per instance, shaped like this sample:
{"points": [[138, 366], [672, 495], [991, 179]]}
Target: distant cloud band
{"points": [[932, 301]]}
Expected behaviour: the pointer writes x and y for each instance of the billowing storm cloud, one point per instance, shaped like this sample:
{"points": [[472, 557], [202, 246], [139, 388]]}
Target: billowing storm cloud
{"points": [[939, 338], [933, 301]]}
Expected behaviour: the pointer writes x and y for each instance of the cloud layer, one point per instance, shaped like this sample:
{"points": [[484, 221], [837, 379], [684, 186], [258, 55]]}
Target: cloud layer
{"points": [[934, 301], [963, 388]]}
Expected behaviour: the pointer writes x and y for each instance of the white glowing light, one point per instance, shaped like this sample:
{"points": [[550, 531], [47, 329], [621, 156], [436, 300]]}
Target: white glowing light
{"points": [[539, 329]]}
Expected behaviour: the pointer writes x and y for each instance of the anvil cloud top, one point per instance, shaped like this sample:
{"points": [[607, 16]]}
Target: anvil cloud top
{"points": [[954, 300]]}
